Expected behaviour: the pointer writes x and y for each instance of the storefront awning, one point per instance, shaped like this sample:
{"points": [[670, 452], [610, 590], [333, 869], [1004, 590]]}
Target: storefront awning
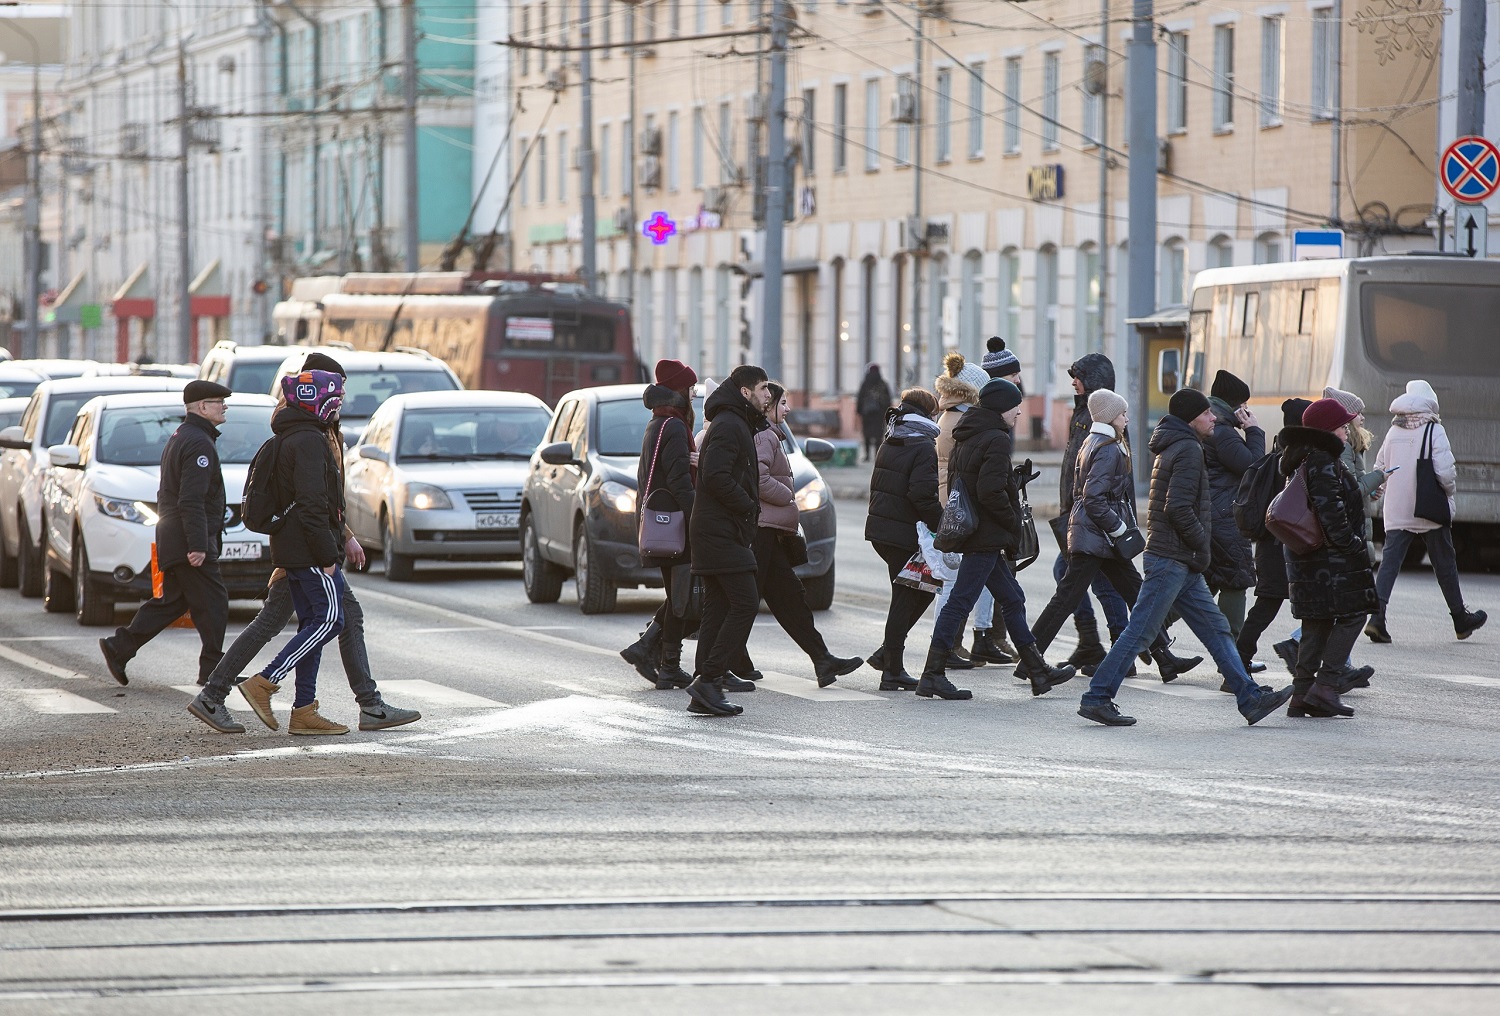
{"points": [[1163, 318], [134, 299]]}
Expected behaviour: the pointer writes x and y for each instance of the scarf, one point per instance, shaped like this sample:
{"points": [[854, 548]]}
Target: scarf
{"points": [[1415, 421], [685, 414]]}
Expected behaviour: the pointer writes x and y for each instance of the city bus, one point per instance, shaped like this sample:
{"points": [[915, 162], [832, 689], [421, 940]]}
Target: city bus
{"points": [[1368, 326], [497, 331]]}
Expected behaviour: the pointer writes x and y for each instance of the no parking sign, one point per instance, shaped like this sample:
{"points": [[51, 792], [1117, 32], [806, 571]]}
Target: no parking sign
{"points": [[1470, 169]]}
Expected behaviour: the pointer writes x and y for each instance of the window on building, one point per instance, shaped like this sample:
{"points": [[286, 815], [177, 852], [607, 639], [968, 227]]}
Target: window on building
{"points": [[695, 351], [1272, 32], [1221, 252], [839, 332], [944, 142], [562, 165], [1324, 62], [1268, 248], [971, 306], [674, 169], [606, 34], [541, 169], [541, 54], [1223, 77], [603, 160], [698, 142], [1012, 105], [1010, 296], [627, 156], [1088, 337], [1173, 272], [726, 14], [526, 35], [523, 181], [1177, 93], [867, 309], [976, 111], [840, 128], [674, 23], [809, 133], [872, 125], [728, 171], [1046, 310], [700, 17], [906, 97], [1051, 74], [1091, 100]]}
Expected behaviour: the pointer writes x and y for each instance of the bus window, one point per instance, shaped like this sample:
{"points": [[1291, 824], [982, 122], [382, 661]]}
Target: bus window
{"points": [[1251, 308], [1441, 328], [1168, 366], [1308, 314]]}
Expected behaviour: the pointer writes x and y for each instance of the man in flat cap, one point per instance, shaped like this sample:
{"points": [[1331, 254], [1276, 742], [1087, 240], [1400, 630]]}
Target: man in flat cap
{"points": [[189, 537]]}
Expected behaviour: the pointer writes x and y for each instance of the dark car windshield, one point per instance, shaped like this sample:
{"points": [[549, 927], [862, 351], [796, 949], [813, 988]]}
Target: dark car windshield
{"points": [[62, 410], [136, 437], [366, 390], [249, 376], [18, 387], [470, 432], [622, 427]]}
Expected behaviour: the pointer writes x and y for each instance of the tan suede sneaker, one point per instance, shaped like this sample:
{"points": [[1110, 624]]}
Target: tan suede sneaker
{"points": [[258, 691], [307, 720]]}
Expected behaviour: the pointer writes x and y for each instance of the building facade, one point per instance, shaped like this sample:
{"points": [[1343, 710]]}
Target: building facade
{"points": [[968, 184]]}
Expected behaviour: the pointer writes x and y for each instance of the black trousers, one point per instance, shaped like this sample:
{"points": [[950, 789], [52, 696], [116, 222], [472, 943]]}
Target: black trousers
{"points": [[730, 604], [1075, 586], [1324, 653], [782, 590], [1262, 612], [907, 604], [183, 588], [671, 624]]}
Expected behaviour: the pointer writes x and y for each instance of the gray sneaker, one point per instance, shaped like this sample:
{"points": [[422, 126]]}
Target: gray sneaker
{"points": [[215, 714], [383, 715]]}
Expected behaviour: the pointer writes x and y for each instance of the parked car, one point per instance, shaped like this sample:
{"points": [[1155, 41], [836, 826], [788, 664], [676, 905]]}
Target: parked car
{"points": [[18, 382], [186, 371], [11, 410], [578, 507], [55, 368], [99, 502], [373, 378], [23, 462], [438, 476], [243, 368]]}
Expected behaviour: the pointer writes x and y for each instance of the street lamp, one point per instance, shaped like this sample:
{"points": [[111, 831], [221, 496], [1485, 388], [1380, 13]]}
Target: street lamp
{"points": [[31, 343]]}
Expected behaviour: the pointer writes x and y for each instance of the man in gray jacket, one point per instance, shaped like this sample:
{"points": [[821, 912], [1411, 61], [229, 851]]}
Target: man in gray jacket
{"points": [[1178, 552]]}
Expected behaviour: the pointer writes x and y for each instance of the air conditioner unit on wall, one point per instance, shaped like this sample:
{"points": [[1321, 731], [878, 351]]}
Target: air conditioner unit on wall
{"points": [[650, 141], [903, 108], [870, 8], [651, 173], [622, 220], [755, 108], [716, 200]]}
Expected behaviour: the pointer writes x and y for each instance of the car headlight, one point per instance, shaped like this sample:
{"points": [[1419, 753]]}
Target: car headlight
{"points": [[812, 496], [424, 496], [618, 496], [140, 512]]}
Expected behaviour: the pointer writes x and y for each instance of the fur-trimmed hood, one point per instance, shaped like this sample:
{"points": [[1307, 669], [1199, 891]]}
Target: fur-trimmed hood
{"points": [[1300, 442]]}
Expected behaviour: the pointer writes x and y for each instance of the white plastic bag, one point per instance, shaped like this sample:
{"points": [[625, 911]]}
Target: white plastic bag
{"points": [[943, 566]]}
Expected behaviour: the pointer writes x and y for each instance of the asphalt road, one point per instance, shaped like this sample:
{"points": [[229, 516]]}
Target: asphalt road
{"points": [[555, 831]]}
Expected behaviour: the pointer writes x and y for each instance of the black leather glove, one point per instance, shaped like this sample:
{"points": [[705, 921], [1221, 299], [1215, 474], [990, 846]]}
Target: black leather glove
{"points": [[1024, 473]]}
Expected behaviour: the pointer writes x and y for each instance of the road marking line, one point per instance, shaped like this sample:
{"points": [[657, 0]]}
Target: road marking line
{"points": [[439, 631], [484, 622], [57, 702], [40, 666], [1179, 690], [1484, 682], [439, 695], [43, 638], [802, 688]]}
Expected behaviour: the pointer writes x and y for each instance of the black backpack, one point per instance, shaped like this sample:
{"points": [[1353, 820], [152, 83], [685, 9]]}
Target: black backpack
{"points": [[1260, 484], [261, 504]]}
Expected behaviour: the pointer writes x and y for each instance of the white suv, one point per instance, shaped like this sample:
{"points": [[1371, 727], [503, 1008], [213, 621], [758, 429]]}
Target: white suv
{"points": [[243, 368], [99, 501], [23, 463], [373, 378]]}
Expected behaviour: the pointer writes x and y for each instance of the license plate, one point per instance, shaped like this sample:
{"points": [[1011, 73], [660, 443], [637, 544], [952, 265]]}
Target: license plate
{"points": [[241, 552], [496, 520]]}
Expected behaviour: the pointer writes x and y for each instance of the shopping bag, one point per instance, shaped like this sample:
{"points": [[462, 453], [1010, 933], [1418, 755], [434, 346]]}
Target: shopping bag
{"points": [[916, 574], [943, 566]]}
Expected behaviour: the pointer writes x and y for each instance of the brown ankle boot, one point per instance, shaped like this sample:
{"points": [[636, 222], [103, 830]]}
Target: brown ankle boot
{"points": [[1326, 697], [258, 691], [307, 720]]}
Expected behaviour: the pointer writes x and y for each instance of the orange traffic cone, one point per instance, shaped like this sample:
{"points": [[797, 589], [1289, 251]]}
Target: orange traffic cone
{"points": [[186, 620]]}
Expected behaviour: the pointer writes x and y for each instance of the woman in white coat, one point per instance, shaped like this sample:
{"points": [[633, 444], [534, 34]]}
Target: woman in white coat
{"points": [[1415, 417]]}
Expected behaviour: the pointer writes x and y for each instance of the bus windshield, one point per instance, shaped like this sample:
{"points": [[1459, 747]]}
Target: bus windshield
{"points": [[1421, 328]]}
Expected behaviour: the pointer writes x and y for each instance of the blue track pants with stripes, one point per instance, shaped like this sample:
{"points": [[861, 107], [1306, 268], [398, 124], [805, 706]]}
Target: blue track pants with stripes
{"points": [[319, 601]]}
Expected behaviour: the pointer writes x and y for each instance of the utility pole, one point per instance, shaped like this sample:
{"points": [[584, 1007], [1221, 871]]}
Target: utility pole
{"points": [[1103, 85], [633, 234], [1335, 104], [1142, 293], [1471, 38], [586, 150], [31, 341], [918, 242], [184, 210], [409, 84], [770, 325]]}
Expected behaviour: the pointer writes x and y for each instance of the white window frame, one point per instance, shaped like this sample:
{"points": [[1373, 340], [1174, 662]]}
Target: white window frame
{"points": [[1323, 62], [1177, 93], [1051, 99], [943, 140], [1223, 86], [1012, 105], [841, 126], [872, 125], [1272, 68], [976, 110]]}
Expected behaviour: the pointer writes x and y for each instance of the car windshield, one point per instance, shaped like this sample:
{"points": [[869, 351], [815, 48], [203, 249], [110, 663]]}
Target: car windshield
{"points": [[622, 427], [366, 390], [136, 436], [470, 432], [249, 376], [62, 410], [17, 387], [9, 418]]}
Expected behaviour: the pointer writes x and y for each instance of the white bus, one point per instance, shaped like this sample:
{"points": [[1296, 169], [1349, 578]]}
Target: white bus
{"points": [[1368, 326]]}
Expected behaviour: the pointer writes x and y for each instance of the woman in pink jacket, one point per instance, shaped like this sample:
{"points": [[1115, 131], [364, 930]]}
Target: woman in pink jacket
{"points": [[779, 585], [1415, 422]]}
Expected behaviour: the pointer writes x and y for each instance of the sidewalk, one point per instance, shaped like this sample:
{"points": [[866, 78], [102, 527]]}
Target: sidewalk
{"points": [[852, 483]]}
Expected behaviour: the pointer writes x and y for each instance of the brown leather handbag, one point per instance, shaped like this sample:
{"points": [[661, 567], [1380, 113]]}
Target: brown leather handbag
{"points": [[1291, 518]]}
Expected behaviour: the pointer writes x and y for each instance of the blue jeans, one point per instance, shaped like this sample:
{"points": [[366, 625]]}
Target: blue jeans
{"points": [[1116, 610], [1168, 586], [984, 612], [318, 598], [983, 571]]}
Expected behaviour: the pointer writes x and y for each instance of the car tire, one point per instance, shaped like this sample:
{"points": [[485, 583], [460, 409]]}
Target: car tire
{"points": [[542, 579], [57, 590], [398, 567], [28, 559], [91, 606], [596, 593], [9, 566], [819, 590]]}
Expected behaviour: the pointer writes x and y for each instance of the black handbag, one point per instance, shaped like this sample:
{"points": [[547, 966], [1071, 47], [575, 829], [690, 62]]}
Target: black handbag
{"points": [[1129, 544], [959, 521], [794, 546], [1432, 500], [687, 595]]}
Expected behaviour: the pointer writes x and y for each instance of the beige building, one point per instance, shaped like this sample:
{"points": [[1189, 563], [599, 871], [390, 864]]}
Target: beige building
{"points": [[993, 123]]}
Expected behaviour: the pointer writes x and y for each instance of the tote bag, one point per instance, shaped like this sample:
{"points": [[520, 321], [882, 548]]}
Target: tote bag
{"points": [[1291, 518], [662, 530], [959, 521], [1432, 500]]}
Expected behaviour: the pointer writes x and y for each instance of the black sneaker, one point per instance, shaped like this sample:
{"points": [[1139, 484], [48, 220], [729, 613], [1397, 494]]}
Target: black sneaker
{"points": [[706, 698], [113, 662], [1288, 651], [1377, 633], [831, 668], [1268, 703], [1106, 713], [731, 683]]}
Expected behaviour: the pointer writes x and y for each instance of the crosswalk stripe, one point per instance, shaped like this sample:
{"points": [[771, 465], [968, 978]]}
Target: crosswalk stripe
{"points": [[279, 704], [804, 688], [1485, 682], [57, 701], [1179, 690], [42, 666], [437, 695]]}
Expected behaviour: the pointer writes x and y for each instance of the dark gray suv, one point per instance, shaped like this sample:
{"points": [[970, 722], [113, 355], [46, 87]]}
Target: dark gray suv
{"points": [[578, 505]]}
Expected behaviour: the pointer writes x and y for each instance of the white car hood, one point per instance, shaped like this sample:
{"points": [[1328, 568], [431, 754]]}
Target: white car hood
{"points": [[234, 482], [501, 474], [129, 483]]}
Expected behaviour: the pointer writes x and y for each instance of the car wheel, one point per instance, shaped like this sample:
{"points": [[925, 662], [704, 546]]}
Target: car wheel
{"points": [[57, 590], [28, 559], [398, 567], [8, 566], [90, 606], [820, 590], [596, 593], [543, 579]]}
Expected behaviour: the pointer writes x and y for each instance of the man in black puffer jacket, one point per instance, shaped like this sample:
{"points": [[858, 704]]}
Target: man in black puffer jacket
{"points": [[1178, 552], [726, 509], [1228, 453]]}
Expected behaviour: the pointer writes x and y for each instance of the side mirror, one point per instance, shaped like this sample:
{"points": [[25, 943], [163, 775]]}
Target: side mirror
{"points": [[817, 450], [13, 437], [369, 451], [559, 453], [64, 455]]}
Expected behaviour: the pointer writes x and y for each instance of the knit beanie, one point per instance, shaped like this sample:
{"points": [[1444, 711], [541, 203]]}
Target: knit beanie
{"points": [[675, 374], [1326, 414], [957, 368], [1105, 405], [1348, 400], [322, 361], [1230, 389], [999, 395], [1292, 410], [1187, 404], [999, 361], [1422, 388]]}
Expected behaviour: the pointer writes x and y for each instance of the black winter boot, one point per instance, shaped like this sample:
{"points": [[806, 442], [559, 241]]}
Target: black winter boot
{"points": [[1468, 622], [831, 668], [1171, 667], [935, 681], [984, 648], [1042, 677], [671, 674], [958, 657], [1325, 698], [1375, 628], [893, 675], [706, 698], [877, 658], [644, 652], [1090, 651]]}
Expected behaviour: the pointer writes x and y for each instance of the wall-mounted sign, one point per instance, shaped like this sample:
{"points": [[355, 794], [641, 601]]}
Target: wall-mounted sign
{"points": [[528, 329], [1044, 183]]}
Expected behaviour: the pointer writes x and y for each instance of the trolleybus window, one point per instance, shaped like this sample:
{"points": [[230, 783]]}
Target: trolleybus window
{"points": [[1433, 328]]}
